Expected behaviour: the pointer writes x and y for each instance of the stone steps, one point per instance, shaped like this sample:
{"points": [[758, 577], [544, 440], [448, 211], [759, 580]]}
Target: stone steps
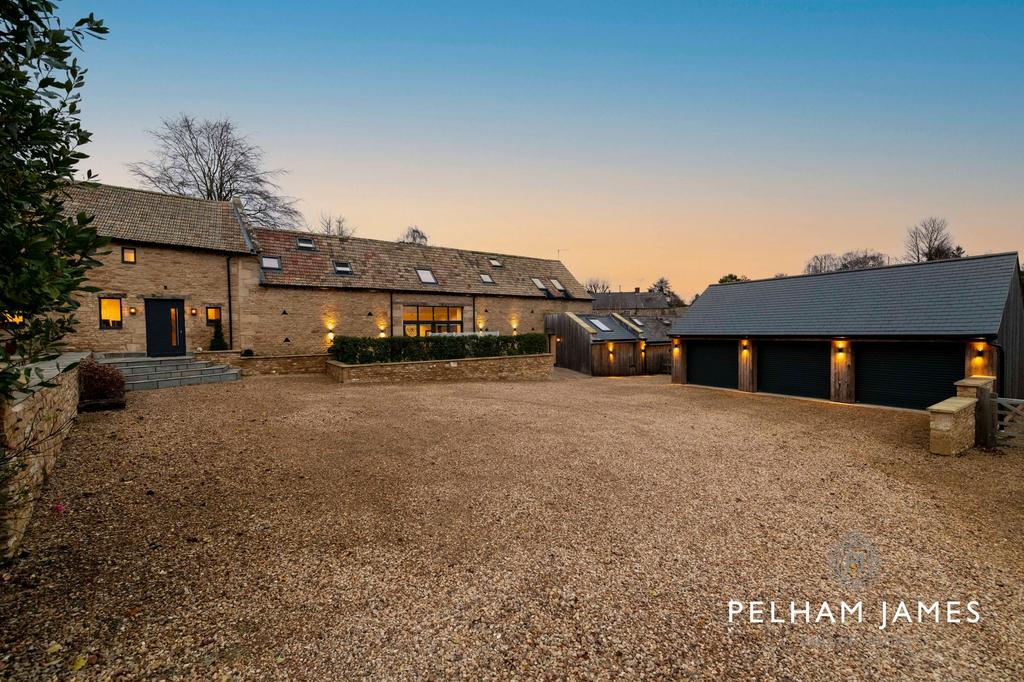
{"points": [[142, 373]]}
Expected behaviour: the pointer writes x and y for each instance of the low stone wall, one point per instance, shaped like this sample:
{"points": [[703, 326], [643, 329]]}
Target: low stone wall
{"points": [[35, 424], [268, 364], [952, 425], [505, 368]]}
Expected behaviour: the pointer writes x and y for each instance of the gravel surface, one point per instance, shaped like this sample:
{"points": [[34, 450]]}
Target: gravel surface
{"points": [[292, 527]]}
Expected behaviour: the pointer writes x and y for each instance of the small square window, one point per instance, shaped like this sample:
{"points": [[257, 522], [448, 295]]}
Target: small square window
{"points": [[270, 263], [496, 262], [426, 275], [110, 313], [558, 285], [539, 284], [212, 315], [486, 279], [342, 267], [128, 255], [305, 243]]}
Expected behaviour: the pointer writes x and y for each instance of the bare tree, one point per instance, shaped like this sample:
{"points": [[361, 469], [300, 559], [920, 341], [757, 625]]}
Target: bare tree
{"points": [[597, 285], [930, 240], [414, 235], [334, 225], [212, 160], [822, 262], [851, 260]]}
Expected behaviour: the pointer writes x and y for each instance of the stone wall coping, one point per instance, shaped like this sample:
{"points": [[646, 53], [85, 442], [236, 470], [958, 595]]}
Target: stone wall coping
{"points": [[50, 369], [431, 362], [976, 381], [953, 405], [261, 357]]}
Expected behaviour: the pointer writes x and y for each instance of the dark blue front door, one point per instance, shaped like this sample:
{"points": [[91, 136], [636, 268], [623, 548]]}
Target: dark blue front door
{"points": [[165, 326]]}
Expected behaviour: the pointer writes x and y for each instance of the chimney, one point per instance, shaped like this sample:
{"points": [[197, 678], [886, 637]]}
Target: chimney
{"points": [[636, 290]]}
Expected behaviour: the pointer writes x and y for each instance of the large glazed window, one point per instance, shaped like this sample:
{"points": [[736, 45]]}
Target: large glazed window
{"points": [[426, 320], [110, 313]]}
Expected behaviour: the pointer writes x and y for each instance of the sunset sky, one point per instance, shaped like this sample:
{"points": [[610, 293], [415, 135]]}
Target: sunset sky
{"points": [[679, 139]]}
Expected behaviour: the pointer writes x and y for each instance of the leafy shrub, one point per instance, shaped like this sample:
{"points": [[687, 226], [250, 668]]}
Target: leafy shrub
{"points": [[218, 342], [358, 350], [97, 381]]}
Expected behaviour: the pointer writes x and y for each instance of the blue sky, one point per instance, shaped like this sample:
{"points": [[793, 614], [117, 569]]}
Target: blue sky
{"points": [[678, 139]]}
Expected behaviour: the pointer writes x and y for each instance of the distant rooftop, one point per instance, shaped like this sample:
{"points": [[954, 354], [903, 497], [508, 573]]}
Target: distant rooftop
{"points": [[632, 300]]}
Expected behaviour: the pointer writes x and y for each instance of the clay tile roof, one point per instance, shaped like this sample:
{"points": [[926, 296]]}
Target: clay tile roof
{"points": [[385, 265], [150, 217]]}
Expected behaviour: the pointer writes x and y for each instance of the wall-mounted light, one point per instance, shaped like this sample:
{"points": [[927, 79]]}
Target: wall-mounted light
{"points": [[330, 336], [980, 353], [132, 310], [744, 344], [381, 335], [193, 312]]}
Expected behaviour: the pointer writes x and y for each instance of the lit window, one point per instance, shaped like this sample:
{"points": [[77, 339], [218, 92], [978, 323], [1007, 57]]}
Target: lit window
{"points": [[638, 322], [110, 313], [8, 321], [539, 284], [270, 263], [342, 267], [305, 243], [496, 262], [558, 285], [486, 279], [600, 325], [426, 276], [128, 255], [427, 320], [212, 315]]}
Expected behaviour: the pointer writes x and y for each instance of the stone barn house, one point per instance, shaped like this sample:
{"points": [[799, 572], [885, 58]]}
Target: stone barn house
{"points": [[177, 265]]}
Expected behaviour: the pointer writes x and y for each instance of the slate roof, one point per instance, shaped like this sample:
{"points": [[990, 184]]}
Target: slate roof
{"points": [[958, 297], [631, 300], [616, 330], [384, 265], [136, 215], [655, 329]]}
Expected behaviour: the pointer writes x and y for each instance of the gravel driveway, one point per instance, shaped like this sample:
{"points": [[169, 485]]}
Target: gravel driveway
{"points": [[295, 527]]}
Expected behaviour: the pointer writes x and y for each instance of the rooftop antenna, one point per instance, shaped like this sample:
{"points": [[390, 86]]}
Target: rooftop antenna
{"points": [[559, 252]]}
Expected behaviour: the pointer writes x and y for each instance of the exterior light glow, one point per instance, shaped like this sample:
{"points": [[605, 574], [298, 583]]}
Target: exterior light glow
{"points": [[193, 311], [330, 336], [132, 310]]}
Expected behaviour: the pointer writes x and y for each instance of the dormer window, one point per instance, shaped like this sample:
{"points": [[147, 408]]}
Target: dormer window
{"points": [[342, 267], [426, 275], [539, 284], [486, 279], [496, 262], [558, 285], [305, 243], [270, 263]]}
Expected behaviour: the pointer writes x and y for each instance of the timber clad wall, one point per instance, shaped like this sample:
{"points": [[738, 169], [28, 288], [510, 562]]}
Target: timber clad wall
{"points": [[1011, 338], [198, 277]]}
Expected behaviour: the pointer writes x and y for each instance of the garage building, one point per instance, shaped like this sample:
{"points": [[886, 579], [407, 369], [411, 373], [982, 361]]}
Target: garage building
{"points": [[899, 335]]}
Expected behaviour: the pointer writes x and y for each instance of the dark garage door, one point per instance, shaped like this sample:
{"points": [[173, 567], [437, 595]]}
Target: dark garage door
{"points": [[911, 374], [794, 368], [713, 363]]}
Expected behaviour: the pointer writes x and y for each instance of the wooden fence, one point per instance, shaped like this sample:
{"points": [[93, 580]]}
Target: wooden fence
{"points": [[1000, 422]]}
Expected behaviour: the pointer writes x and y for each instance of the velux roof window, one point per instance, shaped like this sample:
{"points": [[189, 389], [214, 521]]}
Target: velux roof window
{"points": [[486, 279], [558, 285], [600, 325], [637, 322], [426, 275], [270, 263], [305, 243], [539, 284], [495, 261], [342, 267]]}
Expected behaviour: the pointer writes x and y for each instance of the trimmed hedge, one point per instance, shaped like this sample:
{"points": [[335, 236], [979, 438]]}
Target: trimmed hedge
{"points": [[358, 350]]}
